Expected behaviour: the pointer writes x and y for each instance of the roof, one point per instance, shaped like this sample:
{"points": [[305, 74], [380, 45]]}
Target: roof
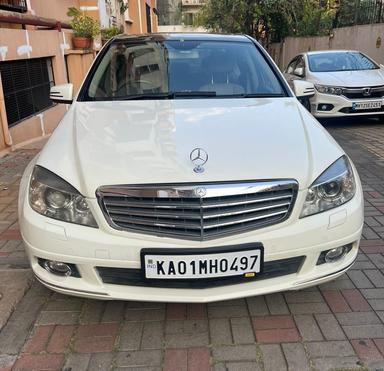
{"points": [[331, 51], [193, 36]]}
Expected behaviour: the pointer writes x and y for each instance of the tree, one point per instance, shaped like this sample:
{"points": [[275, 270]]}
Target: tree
{"points": [[270, 20]]}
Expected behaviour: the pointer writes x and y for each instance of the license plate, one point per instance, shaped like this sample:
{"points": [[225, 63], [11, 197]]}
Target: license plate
{"points": [[366, 105], [197, 265]]}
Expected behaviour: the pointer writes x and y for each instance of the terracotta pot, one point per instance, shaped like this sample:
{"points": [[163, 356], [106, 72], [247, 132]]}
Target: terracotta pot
{"points": [[82, 42]]}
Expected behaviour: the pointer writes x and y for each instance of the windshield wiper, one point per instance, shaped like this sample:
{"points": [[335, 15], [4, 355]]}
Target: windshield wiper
{"points": [[169, 95], [196, 94], [256, 95]]}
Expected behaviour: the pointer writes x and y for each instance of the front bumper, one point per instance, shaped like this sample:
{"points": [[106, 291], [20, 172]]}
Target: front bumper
{"points": [[341, 106], [89, 248]]}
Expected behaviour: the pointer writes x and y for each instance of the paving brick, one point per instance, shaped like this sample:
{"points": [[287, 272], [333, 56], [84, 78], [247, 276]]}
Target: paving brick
{"points": [[242, 330], [308, 327], [330, 349], [375, 276], [227, 311], [114, 312], [380, 345], [7, 361], [220, 331], [139, 358], [356, 301], [189, 333], [78, 362], [303, 297], [196, 311], [100, 361], [176, 360], [198, 359], [277, 336], [273, 322], [153, 335], [60, 339], [257, 306], [359, 279], [373, 293], [95, 338], [58, 318], [273, 357], [73, 305], [308, 308], [366, 350], [296, 357], [30, 362], [176, 311], [39, 340], [376, 304], [336, 301], [150, 314], [364, 331], [234, 353], [329, 327], [237, 366], [130, 336], [357, 318], [337, 363], [276, 304], [92, 311], [340, 283], [377, 260]]}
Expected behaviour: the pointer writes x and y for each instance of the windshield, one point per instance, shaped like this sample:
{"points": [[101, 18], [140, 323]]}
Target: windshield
{"points": [[179, 69], [340, 61]]}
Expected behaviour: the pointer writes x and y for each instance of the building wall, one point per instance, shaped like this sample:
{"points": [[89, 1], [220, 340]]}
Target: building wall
{"points": [[57, 9], [136, 21], [369, 39]]}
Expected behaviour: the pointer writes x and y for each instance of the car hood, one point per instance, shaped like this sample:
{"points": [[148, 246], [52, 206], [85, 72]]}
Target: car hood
{"points": [[149, 142], [351, 79]]}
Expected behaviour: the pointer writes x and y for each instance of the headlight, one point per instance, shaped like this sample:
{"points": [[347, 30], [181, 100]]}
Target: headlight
{"points": [[51, 196], [335, 90], [334, 187]]}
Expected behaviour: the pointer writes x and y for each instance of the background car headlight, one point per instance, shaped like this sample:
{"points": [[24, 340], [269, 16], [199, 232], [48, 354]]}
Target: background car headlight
{"points": [[335, 90], [52, 196], [334, 187]]}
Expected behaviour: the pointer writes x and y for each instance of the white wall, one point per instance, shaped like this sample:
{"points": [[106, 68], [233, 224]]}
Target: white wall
{"points": [[363, 38]]}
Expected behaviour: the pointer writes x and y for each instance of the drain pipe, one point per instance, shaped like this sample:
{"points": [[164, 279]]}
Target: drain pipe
{"points": [[27, 19]]}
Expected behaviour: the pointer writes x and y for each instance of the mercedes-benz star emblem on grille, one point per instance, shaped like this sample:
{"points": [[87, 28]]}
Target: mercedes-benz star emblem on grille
{"points": [[367, 92], [200, 191], [198, 157]]}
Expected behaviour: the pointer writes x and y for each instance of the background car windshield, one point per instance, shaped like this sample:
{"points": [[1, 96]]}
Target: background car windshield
{"points": [[206, 68], [345, 61]]}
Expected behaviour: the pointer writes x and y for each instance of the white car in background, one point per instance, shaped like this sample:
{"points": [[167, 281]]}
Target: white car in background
{"points": [[347, 83], [186, 170]]}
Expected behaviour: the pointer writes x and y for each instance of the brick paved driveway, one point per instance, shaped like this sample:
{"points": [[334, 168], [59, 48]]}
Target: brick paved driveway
{"points": [[339, 325]]}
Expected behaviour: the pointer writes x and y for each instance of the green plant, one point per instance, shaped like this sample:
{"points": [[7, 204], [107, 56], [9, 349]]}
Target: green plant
{"points": [[82, 24], [108, 33]]}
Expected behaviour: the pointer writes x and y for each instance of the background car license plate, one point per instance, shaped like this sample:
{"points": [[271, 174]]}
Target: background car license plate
{"points": [[221, 264], [366, 105]]}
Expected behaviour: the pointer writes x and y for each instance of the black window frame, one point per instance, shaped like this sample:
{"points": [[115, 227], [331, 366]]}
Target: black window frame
{"points": [[19, 6], [26, 84]]}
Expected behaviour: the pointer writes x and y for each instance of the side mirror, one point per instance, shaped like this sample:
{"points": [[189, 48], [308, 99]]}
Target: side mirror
{"points": [[299, 71], [303, 89], [62, 93]]}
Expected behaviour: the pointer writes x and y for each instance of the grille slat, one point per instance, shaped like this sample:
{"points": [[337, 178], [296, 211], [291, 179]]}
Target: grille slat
{"points": [[177, 211]]}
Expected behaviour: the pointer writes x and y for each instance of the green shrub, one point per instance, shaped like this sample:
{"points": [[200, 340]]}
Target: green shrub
{"points": [[83, 25]]}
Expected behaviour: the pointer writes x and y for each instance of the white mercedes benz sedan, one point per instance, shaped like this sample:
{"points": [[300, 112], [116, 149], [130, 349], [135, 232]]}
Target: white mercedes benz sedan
{"points": [[186, 170], [347, 83]]}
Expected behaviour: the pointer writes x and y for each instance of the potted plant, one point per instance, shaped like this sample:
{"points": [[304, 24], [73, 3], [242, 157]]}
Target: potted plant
{"points": [[108, 33], [85, 28]]}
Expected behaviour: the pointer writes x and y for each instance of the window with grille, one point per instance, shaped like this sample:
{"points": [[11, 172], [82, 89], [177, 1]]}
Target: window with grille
{"points": [[26, 85], [14, 5]]}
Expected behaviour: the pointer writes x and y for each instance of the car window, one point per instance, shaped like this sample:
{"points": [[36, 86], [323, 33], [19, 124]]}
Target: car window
{"points": [[292, 65], [340, 61], [210, 68]]}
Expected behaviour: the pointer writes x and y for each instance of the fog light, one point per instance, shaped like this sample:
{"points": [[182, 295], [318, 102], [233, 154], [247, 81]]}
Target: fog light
{"points": [[59, 268], [335, 254]]}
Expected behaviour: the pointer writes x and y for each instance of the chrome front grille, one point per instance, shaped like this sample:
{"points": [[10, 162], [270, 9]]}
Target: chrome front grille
{"points": [[198, 211], [364, 93]]}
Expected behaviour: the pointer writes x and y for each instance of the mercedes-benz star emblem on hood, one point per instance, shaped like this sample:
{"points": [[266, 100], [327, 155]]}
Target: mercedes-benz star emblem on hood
{"points": [[199, 157]]}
